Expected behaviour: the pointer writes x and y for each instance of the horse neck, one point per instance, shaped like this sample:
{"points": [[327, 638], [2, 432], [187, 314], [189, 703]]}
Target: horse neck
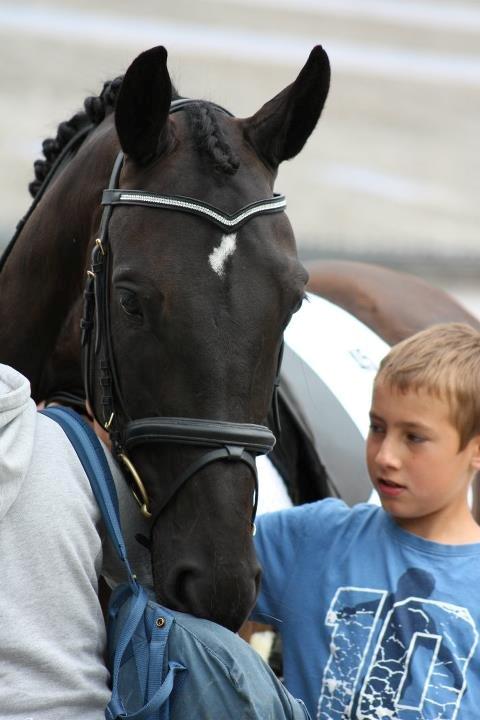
{"points": [[44, 272]]}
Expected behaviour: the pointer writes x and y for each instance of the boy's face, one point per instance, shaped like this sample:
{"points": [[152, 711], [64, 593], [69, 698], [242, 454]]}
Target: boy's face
{"points": [[413, 456]]}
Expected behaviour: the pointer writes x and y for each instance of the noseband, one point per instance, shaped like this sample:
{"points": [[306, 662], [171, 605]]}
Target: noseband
{"points": [[238, 442]]}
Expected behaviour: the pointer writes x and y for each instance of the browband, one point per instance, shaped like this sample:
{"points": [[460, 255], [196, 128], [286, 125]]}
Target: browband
{"points": [[226, 222]]}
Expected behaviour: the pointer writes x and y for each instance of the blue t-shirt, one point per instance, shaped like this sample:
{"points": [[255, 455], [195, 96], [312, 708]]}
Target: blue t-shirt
{"points": [[375, 622]]}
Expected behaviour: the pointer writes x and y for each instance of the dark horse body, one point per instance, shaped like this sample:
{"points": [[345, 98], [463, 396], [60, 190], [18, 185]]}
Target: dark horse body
{"points": [[196, 315], [393, 304]]}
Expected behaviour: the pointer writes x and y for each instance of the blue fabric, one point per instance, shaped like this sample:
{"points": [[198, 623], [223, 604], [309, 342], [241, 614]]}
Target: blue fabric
{"points": [[226, 679], [375, 622], [91, 455], [167, 665], [143, 679]]}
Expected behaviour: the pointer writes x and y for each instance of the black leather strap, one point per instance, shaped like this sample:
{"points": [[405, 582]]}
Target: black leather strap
{"points": [[227, 453], [181, 203], [233, 453], [193, 431], [181, 103]]}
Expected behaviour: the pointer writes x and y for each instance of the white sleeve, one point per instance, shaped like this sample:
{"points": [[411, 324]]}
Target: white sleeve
{"points": [[272, 492]]}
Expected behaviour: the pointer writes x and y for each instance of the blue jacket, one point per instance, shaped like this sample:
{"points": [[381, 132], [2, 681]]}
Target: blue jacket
{"points": [[225, 678]]}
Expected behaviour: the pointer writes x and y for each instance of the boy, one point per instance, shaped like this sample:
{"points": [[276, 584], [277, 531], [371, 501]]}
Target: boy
{"points": [[377, 606]]}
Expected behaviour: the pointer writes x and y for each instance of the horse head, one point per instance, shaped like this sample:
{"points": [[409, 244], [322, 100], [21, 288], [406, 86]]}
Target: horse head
{"points": [[194, 276]]}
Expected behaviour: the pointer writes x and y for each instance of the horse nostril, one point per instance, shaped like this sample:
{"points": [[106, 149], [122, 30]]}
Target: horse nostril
{"points": [[177, 589]]}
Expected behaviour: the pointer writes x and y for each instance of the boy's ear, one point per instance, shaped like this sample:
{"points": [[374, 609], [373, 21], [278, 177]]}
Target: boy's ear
{"points": [[475, 461]]}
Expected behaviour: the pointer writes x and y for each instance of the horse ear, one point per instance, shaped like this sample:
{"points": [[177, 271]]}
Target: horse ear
{"points": [[143, 103], [280, 129]]}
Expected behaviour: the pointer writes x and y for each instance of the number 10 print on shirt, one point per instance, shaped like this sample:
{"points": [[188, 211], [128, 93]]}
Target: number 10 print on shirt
{"points": [[394, 657]]}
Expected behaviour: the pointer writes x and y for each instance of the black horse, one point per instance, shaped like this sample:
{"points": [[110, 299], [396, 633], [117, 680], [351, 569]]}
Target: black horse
{"points": [[193, 278]]}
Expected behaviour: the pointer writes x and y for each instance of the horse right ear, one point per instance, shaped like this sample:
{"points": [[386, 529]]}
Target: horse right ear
{"points": [[280, 129], [143, 104]]}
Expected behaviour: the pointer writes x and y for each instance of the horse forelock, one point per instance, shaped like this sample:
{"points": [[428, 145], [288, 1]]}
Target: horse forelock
{"points": [[209, 138]]}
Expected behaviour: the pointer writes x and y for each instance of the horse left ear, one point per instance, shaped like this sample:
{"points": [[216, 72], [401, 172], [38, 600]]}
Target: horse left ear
{"points": [[143, 104], [280, 129]]}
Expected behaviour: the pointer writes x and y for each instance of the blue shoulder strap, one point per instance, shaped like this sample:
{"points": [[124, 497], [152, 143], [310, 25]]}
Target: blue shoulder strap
{"points": [[91, 455], [151, 654]]}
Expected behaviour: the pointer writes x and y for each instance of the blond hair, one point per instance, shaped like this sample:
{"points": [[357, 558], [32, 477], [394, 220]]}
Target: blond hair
{"points": [[444, 361]]}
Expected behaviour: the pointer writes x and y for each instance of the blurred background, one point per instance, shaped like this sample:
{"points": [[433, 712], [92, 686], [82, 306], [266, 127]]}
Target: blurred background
{"points": [[392, 172]]}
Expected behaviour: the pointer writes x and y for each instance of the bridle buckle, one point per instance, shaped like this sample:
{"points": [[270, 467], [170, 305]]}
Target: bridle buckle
{"points": [[138, 488]]}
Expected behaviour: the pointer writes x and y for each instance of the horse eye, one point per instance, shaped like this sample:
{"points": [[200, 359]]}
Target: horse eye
{"points": [[299, 304], [130, 304]]}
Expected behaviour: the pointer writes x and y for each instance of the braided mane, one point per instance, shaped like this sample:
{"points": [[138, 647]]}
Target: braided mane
{"points": [[209, 138], [96, 108]]}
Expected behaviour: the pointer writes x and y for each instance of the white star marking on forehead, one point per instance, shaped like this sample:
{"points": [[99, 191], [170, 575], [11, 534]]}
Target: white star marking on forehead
{"points": [[219, 256]]}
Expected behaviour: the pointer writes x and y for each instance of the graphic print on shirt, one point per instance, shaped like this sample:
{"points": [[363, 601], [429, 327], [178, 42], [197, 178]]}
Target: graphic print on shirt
{"points": [[396, 656]]}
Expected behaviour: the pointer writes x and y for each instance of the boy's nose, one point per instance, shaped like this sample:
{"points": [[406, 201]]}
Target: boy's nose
{"points": [[387, 455]]}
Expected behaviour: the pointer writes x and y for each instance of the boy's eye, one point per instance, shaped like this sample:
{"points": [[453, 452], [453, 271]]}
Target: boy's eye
{"points": [[413, 438], [375, 428]]}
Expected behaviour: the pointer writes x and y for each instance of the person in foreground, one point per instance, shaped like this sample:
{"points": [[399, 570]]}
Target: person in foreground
{"points": [[377, 606], [52, 633], [52, 552]]}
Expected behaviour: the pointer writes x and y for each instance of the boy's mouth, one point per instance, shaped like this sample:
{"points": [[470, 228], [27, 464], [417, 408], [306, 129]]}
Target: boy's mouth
{"points": [[389, 487]]}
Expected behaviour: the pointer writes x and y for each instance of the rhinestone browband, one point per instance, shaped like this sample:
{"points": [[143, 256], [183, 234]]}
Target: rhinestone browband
{"points": [[225, 221]]}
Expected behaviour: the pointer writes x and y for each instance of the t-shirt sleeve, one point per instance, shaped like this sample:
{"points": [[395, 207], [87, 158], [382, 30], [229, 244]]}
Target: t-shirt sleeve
{"points": [[281, 539]]}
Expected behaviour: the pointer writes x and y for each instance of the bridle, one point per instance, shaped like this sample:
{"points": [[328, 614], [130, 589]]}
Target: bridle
{"points": [[238, 442]]}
